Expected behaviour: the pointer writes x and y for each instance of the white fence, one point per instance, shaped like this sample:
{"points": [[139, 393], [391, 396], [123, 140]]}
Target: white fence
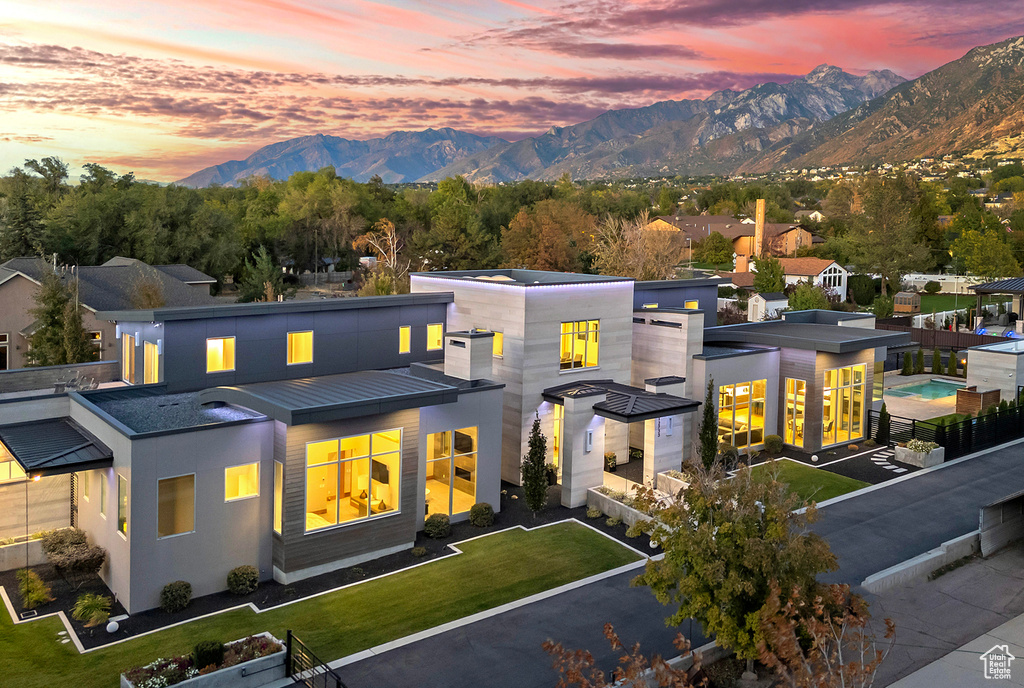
{"points": [[969, 302]]}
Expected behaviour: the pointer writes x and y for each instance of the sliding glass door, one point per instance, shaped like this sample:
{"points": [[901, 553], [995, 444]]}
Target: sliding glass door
{"points": [[795, 403], [843, 405]]}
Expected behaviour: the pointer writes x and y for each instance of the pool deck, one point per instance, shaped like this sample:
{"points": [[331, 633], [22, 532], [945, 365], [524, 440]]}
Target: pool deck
{"points": [[917, 407]]}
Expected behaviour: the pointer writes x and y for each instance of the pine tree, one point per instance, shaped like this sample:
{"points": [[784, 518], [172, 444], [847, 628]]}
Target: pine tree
{"points": [[263, 280], [882, 431], [535, 474], [707, 435], [46, 344], [77, 346]]}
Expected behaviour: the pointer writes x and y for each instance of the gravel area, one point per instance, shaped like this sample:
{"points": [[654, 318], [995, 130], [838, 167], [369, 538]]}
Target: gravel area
{"points": [[170, 412]]}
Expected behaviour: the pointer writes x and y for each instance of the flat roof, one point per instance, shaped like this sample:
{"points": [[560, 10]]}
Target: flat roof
{"points": [[823, 317], [521, 278], [143, 410], [623, 403], [334, 397], [713, 352], [812, 336], [1010, 346], [676, 283], [234, 310], [54, 446]]}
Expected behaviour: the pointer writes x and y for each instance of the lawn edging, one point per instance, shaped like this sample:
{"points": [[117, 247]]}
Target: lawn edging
{"points": [[249, 605]]}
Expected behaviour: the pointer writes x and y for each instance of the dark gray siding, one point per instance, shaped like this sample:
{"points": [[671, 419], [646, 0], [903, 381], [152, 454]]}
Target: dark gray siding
{"points": [[294, 550], [343, 341], [677, 296]]}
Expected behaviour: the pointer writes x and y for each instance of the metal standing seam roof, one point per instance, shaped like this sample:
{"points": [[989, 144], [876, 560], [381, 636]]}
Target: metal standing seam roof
{"points": [[623, 403], [54, 446], [1007, 286], [334, 397]]}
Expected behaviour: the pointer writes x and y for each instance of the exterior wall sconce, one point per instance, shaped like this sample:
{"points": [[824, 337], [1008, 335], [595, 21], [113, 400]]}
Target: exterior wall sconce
{"points": [[588, 441]]}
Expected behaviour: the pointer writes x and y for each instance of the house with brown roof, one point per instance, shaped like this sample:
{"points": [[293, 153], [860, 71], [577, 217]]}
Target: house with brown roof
{"points": [[780, 239], [821, 272], [111, 286]]}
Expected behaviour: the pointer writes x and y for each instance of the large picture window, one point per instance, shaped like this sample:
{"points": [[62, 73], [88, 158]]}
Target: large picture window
{"points": [[128, 358], [842, 417], [241, 481], [10, 470], [741, 413], [451, 471], [579, 344], [352, 478], [176, 506], [300, 347], [795, 406], [220, 354]]}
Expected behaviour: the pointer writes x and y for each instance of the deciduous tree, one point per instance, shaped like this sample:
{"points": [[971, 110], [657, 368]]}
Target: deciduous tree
{"points": [[808, 297], [552, 235], [628, 249], [769, 276], [713, 248]]}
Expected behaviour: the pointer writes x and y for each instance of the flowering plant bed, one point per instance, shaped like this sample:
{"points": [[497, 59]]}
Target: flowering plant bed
{"points": [[169, 671], [920, 453]]}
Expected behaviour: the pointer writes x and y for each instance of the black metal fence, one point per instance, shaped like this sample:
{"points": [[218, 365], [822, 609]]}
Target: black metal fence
{"points": [[306, 668], [960, 438]]}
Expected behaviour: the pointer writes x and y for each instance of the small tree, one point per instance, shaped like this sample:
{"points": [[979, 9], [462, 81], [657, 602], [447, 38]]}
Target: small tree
{"points": [[861, 289], [707, 435], [932, 287], [908, 364], [936, 362], [46, 344], [78, 348], [919, 362], [951, 365], [882, 431], [769, 276], [725, 542], [825, 642], [809, 297], [262, 280], [535, 474], [714, 248], [883, 307]]}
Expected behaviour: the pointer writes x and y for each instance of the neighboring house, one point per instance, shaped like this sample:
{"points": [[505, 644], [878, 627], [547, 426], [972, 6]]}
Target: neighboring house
{"points": [[305, 436], [111, 286], [766, 306], [827, 274], [814, 215], [738, 280], [780, 239]]}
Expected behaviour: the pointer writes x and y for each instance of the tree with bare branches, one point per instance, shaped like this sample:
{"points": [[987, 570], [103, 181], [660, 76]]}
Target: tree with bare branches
{"points": [[392, 268], [628, 249]]}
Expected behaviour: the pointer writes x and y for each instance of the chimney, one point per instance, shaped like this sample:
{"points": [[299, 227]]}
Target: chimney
{"points": [[468, 355], [742, 264], [759, 228]]}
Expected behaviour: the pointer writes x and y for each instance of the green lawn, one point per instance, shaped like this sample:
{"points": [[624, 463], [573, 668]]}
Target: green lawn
{"points": [[948, 419], [492, 571], [934, 303], [813, 483]]}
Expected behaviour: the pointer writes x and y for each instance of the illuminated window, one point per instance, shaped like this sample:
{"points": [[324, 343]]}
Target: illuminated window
{"points": [[499, 344], [579, 344], [352, 478], [878, 390], [404, 339], [10, 470], [241, 481], [435, 336], [128, 358], [795, 405], [278, 496], [220, 354], [176, 506], [650, 305], [843, 405], [693, 305], [151, 363], [122, 505], [103, 494], [451, 471], [556, 436], [741, 413], [300, 347], [96, 339]]}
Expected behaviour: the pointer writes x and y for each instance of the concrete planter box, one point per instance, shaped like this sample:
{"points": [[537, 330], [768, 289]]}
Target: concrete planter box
{"points": [[613, 508], [13, 556], [669, 485], [256, 672], [920, 459]]}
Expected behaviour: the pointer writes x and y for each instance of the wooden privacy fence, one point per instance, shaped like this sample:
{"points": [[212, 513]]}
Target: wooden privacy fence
{"points": [[958, 439], [942, 339]]}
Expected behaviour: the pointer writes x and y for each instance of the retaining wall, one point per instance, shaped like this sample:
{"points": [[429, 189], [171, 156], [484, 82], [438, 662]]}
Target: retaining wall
{"points": [[920, 566]]}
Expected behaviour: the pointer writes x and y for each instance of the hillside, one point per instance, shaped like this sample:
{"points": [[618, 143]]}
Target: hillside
{"points": [[399, 157]]}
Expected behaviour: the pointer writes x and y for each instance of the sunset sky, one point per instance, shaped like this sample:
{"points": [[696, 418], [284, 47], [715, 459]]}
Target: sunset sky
{"points": [[164, 88]]}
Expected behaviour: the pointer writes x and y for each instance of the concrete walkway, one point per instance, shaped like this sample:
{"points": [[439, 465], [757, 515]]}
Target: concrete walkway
{"points": [[964, 668]]}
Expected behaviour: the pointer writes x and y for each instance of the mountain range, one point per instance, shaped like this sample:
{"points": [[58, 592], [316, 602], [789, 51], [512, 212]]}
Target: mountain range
{"points": [[974, 105]]}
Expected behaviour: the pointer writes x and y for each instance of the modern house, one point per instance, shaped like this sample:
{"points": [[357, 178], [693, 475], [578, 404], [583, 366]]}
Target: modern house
{"points": [[302, 437], [112, 286]]}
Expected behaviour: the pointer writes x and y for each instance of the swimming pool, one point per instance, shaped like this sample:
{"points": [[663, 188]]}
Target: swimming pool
{"points": [[930, 390]]}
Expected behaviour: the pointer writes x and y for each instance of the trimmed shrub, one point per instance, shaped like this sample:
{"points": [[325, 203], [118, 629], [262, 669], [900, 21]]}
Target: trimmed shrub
{"points": [[908, 364], [72, 556], [438, 526], [728, 454], [883, 307], [613, 521], [419, 551], [481, 515], [882, 431], [951, 365], [861, 289], [243, 580], [936, 362], [594, 512], [1004, 405], [932, 287], [773, 444], [207, 653], [32, 589], [93, 610], [175, 596], [919, 362]]}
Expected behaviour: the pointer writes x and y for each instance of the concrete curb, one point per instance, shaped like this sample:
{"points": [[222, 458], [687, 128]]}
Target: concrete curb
{"points": [[920, 566]]}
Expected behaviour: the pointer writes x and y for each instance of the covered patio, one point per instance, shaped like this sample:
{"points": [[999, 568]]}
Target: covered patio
{"points": [[586, 434], [1014, 287]]}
